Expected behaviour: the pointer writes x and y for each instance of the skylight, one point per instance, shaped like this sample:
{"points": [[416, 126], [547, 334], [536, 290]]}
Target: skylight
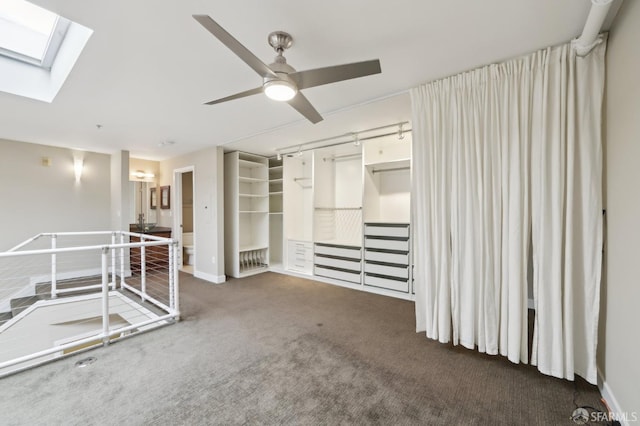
{"points": [[30, 33]]}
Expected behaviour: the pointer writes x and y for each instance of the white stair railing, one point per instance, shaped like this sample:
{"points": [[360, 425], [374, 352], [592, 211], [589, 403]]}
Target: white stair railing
{"points": [[131, 286]]}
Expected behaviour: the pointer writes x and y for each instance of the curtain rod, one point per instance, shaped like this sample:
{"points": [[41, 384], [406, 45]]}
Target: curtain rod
{"points": [[354, 135]]}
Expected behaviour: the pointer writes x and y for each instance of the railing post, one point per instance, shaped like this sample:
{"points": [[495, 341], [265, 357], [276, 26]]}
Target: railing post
{"points": [[122, 260], [143, 269], [105, 295], [171, 248], [113, 262], [54, 266], [174, 282]]}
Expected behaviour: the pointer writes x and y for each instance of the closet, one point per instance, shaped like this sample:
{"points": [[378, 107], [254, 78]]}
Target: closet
{"points": [[337, 213], [387, 211], [298, 212], [246, 209]]}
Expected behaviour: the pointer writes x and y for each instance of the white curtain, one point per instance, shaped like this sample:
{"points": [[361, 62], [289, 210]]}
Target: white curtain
{"points": [[504, 155]]}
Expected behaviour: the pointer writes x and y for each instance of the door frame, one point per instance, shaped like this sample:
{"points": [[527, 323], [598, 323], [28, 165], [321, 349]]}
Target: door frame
{"points": [[177, 211]]}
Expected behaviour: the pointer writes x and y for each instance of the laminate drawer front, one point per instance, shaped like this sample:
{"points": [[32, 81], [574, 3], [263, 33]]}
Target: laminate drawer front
{"points": [[391, 271], [386, 257], [386, 283], [401, 231], [304, 266], [386, 244], [338, 263], [339, 251], [353, 277]]}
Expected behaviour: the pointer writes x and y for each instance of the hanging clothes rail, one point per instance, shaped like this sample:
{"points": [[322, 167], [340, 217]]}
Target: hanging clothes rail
{"points": [[354, 137]]}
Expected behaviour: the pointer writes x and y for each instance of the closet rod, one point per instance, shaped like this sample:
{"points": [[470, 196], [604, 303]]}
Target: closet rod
{"points": [[301, 178], [342, 157], [293, 149], [337, 208], [395, 169], [344, 142]]}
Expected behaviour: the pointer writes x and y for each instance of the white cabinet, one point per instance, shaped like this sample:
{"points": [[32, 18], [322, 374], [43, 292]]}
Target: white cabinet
{"points": [[246, 214], [300, 256], [387, 256]]}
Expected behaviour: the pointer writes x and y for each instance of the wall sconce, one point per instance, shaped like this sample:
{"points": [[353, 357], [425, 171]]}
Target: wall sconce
{"points": [[139, 174], [78, 166]]}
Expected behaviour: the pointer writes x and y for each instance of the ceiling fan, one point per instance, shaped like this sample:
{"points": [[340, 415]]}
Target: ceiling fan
{"points": [[280, 81]]}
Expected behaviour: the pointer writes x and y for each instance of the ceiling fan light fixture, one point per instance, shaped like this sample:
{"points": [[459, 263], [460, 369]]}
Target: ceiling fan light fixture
{"points": [[280, 90]]}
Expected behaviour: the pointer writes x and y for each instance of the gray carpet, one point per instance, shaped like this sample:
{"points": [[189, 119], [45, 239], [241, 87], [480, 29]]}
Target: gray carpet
{"points": [[273, 349]]}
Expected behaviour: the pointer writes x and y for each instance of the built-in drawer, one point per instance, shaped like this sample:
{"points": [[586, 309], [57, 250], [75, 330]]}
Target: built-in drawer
{"points": [[382, 230], [339, 251], [353, 277], [387, 257], [387, 283], [386, 244], [352, 265], [391, 271], [304, 266], [300, 250]]}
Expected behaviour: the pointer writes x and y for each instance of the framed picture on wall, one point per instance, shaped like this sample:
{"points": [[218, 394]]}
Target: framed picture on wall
{"points": [[165, 197], [153, 199]]}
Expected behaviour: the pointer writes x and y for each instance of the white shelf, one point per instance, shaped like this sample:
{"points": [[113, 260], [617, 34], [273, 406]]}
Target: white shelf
{"points": [[275, 212], [253, 195], [276, 193], [275, 180], [253, 212], [250, 164], [275, 168], [244, 179], [252, 247]]}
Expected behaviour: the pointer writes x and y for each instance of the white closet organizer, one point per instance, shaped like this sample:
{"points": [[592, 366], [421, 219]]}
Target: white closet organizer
{"points": [[387, 256], [298, 213], [275, 213], [246, 214]]}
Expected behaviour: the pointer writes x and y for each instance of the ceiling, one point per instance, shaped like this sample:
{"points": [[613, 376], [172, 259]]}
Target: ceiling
{"points": [[149, 67]]}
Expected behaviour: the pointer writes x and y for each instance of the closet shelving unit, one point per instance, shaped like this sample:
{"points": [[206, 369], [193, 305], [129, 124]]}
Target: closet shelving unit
{"points": [[298, 214], [276, 194], [246, 214], [338, 214], [386, 215]]}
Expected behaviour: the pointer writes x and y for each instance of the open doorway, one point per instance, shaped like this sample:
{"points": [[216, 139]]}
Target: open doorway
{"points": [[184, 224]]}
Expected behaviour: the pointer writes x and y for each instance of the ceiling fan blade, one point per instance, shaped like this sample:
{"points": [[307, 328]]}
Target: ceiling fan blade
{"points": [[236, 96], [235, 46], [326, 75], [304, 107]]}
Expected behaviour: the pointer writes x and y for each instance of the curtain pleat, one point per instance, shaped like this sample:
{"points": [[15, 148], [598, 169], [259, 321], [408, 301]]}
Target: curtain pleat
{"points": [[506, 155]]}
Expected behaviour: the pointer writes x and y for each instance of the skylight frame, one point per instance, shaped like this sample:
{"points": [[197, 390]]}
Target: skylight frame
{"points": [[54, 41]]}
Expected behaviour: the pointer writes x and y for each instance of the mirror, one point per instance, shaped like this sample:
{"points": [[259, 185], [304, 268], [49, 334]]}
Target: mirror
{"points": [[140, 204]]}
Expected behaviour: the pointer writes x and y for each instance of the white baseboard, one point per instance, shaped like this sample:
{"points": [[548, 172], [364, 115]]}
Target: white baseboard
{"points": [[216, 279], [608, 396]]}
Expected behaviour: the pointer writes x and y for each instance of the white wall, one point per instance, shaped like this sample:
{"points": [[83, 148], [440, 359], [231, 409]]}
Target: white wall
{"points": [[208, 206], [36, 198], [619, 341]]}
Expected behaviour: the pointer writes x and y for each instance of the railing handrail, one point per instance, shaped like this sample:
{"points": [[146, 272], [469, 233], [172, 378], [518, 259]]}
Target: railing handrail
{"points": [[155, 241]]}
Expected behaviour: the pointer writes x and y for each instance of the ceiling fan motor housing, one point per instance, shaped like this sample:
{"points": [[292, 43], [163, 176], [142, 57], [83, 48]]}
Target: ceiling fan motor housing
{"points": [[280, 40]]}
